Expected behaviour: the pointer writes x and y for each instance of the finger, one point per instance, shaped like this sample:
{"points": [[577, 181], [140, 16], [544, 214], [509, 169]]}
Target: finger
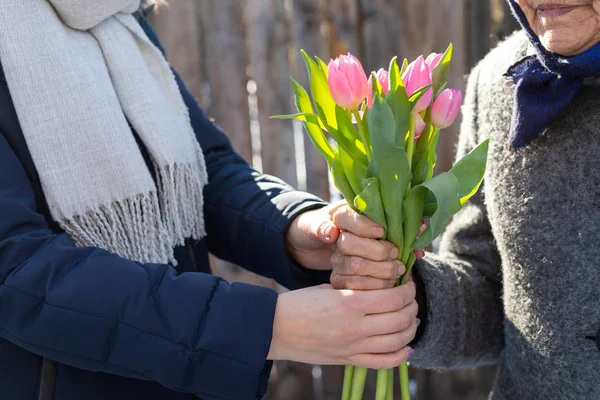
{"points": [[349, 220], [381, 361], [377, 250], [419, 253], [389, 323], [352, 282], [344, 265], [389, 300], [327, 232], [389, 343]]}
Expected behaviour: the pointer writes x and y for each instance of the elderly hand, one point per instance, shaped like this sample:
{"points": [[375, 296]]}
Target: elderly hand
{"points": [[338, 238]]}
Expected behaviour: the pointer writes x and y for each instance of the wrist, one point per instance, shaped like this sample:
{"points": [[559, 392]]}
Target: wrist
{"points": [[276, 350]]}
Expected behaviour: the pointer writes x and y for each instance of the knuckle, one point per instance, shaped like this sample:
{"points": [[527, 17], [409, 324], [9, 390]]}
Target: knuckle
{"points": [[354, 265], [344, 243], [349, 332], [398, 300], [338, 281], [340, 215], [378, 362], [404, 322], [389, 270]]}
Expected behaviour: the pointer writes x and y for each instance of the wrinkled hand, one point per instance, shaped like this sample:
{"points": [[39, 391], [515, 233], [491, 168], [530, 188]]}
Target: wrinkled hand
{"points": [[324, 326], [360, 260], [338, 238]]}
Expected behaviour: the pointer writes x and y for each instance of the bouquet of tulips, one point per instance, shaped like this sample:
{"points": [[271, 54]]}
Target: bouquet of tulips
{"points": [[385, 130]]}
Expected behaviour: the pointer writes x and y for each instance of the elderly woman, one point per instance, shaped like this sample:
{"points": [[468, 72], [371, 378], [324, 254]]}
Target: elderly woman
{"points": [[113, 188], [517, 279]]}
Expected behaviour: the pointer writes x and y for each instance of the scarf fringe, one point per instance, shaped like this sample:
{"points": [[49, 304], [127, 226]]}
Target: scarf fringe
{"points": [[149, 226]]}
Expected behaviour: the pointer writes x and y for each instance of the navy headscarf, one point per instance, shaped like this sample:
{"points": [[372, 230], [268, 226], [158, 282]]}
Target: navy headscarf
{"points": [[545, 84]]}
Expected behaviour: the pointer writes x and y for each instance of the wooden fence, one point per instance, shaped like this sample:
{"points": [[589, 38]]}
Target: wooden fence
{"points": [[236, 56]]}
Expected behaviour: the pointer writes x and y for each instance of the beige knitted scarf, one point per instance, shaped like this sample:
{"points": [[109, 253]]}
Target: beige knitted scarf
{"points": [[78, 71]]}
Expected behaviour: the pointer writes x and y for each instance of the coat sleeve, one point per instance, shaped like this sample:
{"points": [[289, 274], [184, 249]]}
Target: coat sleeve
{"points": [[96, 311], [463, 283], [247, 213]]}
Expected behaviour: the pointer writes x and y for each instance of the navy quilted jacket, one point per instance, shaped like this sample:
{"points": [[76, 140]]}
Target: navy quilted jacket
{"points": [[105, 327]]}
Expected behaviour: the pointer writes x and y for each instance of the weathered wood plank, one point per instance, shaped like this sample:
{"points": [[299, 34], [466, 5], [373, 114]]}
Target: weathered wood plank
{"points": [[306, 18], [479, 33], [268, 42], [179, 30], [227, 58], [344, 28]]}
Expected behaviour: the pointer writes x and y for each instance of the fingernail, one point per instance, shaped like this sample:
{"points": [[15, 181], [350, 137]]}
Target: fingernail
{"points": [[378, 232], [328, 232], [401, 268], [394, 253], [411, 353]]}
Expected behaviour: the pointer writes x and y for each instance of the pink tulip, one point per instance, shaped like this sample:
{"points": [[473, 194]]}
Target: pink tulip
{"points": [[446, 108], [417, 76], [384, 79], [419, 126], [433, 60], [347, 81]]}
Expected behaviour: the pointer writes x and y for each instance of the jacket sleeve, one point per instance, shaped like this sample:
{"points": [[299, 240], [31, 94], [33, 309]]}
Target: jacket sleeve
{"points": [[246, 213], [96, 311], [463, 283]]}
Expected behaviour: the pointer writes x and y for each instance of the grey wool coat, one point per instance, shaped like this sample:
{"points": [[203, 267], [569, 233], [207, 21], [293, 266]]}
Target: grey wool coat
{"points": [[517, 278]]}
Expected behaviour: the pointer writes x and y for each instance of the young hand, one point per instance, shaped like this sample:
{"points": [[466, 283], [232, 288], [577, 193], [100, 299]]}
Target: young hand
{"points": [[324, 326]]}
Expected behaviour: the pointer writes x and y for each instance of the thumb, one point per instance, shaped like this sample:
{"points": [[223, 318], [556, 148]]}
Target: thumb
{"points": [[327, 232]]}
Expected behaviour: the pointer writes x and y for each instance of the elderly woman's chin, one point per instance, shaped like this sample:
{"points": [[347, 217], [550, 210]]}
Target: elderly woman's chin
{"points": [[566, 27]]}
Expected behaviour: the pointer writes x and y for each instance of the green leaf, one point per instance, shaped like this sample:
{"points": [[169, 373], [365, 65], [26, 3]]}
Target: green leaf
{"points": [[312, 123], [341, 180], [347, 136], [421, 160], [432, 152], [440, 72], [412, 208], [320, 92], [390, 165], [404, 66], [355, 170], [398, 102], [394, 73], [444, 187], [440, 90], [304, 117], [414, 99], [470, 171], [323, 66], [369, 202], [376, 85]]}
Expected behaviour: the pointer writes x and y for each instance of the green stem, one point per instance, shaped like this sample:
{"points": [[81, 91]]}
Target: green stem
{"points": [[347, 389], [363, 130], [410, 145], [381, 390], [390, 389], [358, 383], [409, 265], [382, 384], [431, 156], [404, 388]]}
